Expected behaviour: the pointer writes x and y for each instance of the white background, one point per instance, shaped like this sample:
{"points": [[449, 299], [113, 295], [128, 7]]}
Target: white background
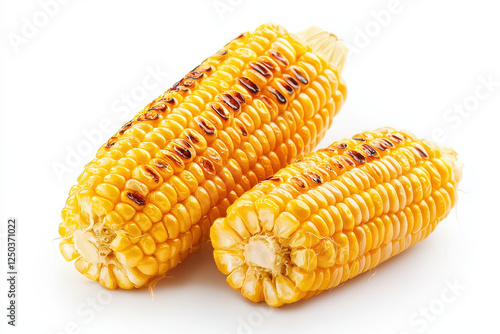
{"points": [[409, 70]]}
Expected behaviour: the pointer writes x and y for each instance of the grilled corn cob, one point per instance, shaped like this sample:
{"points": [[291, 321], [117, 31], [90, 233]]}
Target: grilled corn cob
{"points": [[149, 197], [334, 215]]}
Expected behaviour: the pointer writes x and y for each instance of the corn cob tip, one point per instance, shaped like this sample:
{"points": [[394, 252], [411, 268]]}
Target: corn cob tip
{"points": [[328, 45], [451, 157]]}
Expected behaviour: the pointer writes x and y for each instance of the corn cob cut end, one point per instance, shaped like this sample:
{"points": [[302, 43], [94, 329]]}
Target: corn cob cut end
{"points": [[326, 44]]}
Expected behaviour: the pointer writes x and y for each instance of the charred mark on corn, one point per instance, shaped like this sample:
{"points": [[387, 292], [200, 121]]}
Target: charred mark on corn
{"points": [[207, 165], [299, 182], [370, 151], [230, 101], [204, 124], [286, 87], [183, 148], [261, 69], [396, 138], [152, 173], [160, 163], [348, 161], [301, 76], [279, 57], [315, 177], [111, 142], [159, 107], [148, 116], [249, 85], [125, 127], [421, 151], [274, 178], [221, 53], [220, 111], [136, 197], [291, 81], [281, 99], [357, 156]]}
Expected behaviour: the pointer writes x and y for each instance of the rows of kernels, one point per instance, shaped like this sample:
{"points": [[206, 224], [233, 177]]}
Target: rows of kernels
{"points": [[375, 206]]}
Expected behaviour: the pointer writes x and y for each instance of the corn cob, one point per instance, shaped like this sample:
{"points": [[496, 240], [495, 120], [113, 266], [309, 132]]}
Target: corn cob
{"points": [[334, 215], [149, 197]]}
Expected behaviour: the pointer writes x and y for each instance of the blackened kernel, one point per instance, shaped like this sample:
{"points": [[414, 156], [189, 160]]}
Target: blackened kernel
{"points": [[220, 111], [184, 153], [421, 151], [249, 85], [125, 127], [194, 76], [261, 69], [348, 161], [328, 168], [268, 102], [189, 83], [274, 178], [148, 116], [220, 53], [136, 197], [370, 151], [357, 156], [161, 107], [239, 97], [111, 142], [299, 182], [267, 64], [300, 76], [192, 138], [177, 83], [170, 100], [281, 99], [207, 165], [279, 57], [239, 36], [314, 177], [387, 142], [396, 138], [358, 139], [291, 81], [286, 87], [341, 146], [175, 160], [162, 164], [230, 101], [379, 145], [243, 131], [205, 125], [152, 173], [336, 163]]}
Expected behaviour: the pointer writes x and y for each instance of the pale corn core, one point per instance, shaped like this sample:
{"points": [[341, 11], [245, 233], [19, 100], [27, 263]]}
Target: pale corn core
{"points": [[263, 252]]}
